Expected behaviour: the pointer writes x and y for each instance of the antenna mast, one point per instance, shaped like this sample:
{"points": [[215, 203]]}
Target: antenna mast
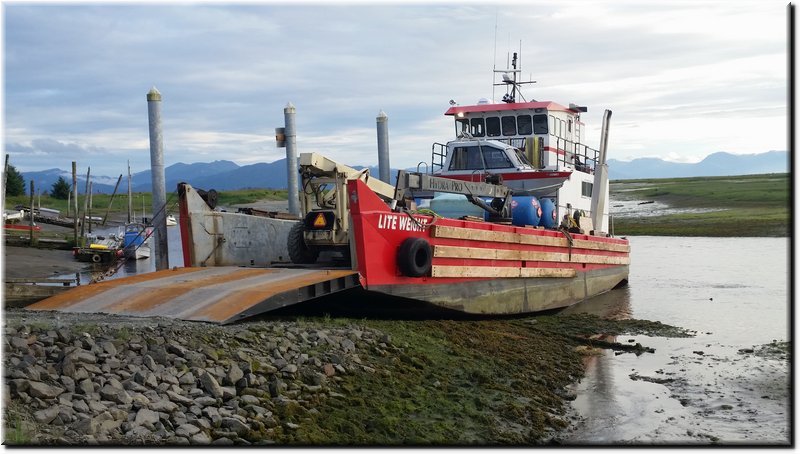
{"points": [[494, 57]]}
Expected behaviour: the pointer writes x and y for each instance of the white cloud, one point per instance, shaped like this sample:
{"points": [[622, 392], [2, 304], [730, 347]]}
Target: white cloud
{"points": [[684, 79]]}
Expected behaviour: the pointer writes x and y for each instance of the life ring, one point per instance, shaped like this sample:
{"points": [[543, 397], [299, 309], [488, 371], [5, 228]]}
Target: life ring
{"points": [[414, 257], [96, 258]]}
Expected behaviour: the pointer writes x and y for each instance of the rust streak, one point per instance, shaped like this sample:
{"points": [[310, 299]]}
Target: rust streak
{"points": [[80, 293], [241, 300], [149, 298]]}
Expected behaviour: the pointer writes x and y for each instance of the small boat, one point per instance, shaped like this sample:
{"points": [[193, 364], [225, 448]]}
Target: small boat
{"points": [[135, 242], [21, 227], [171, 220], [100, 249]]}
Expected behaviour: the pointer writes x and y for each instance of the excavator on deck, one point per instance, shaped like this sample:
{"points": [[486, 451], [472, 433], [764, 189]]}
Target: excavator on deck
{"points": [[238, 265]]}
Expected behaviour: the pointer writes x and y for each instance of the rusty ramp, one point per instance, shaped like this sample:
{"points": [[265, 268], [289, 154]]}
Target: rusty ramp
{"points": [[216, 294]]}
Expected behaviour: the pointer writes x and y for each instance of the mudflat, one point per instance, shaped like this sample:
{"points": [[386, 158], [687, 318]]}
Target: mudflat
{"points": [[30, 262]]}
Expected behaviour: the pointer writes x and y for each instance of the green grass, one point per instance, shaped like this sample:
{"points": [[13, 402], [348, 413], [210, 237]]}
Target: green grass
{"points": [[748, 205], [243, 196], [100, 202]]}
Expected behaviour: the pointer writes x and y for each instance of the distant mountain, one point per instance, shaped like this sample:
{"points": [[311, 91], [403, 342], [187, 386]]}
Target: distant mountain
{"points": [[180, 172], [227, 175], [716, 164]]}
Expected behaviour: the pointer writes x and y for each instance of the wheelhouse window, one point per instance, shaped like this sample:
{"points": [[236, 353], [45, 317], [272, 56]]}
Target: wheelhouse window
{"points": [[466, 158], [462, 126], [524, 126], [478, 128], [586, 189], [540, 124], [509, 126], [478, 158], [493, 126], [496, 159]]}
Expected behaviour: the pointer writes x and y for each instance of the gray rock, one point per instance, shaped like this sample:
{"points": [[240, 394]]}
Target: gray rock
{"points": [[81, 356], [234, 375], [186, 430], [116, 394], [348, 345], [212, 413], [205, 401], [19, 385], [96, 407], [80, 406], [69, 383], [210, 384], [145, 417], [235, 425], [47, 415], [149, 363], [163, 405], [175, 397], [176, 348], [228, 392], [109, 347], [200, 438], [289, 369], [19, 343], [139, 433], [250, 400], [224, 441], [132, 386], [85, 386], [195, 359], [187, 379], [41, 390]]}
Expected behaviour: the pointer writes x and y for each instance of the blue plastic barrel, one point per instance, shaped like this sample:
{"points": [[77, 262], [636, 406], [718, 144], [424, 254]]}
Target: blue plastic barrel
{"points": [[549, 214], [525, 210]]}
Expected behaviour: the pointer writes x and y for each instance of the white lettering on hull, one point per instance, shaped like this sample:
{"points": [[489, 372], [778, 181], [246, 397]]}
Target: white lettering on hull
{"points": [[401, 222]]}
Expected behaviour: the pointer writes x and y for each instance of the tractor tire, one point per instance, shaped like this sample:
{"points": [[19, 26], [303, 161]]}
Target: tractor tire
{"points": [[299, 252]]}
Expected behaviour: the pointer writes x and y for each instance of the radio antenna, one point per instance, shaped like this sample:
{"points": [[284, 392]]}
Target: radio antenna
{"points": [[494, 57]]}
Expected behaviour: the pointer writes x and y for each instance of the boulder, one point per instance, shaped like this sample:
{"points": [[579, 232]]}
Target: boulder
{"points": [[43, 391], [210, 384]]}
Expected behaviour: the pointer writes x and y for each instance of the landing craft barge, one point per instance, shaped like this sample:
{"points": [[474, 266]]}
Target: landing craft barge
{"points": [[535, 263], [491, 244]]}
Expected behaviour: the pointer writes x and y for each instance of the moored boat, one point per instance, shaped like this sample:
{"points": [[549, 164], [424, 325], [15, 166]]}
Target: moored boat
{"points": [[554, 251], [135, 242]]}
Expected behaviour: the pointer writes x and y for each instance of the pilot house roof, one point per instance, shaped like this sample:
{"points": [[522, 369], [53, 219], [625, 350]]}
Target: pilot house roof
{"points": [[549, 105]]}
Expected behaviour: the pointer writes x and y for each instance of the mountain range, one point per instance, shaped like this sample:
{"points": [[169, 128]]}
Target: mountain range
{"points": [[227, 175], [715, 164]]}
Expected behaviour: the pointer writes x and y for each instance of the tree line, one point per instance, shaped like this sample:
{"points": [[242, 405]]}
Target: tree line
{"points": [[15, 185]]}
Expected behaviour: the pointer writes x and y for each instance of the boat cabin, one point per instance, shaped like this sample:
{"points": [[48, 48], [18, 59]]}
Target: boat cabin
{"points": [[548, 135]]}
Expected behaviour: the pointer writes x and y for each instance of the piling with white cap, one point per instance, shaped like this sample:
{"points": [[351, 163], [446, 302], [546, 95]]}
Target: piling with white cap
{"points": [[158, 179], [291, 159], [384, 171]]}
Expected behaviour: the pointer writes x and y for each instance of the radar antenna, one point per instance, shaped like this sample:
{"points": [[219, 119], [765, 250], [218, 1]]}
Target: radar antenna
{"points": [[509, 79]]}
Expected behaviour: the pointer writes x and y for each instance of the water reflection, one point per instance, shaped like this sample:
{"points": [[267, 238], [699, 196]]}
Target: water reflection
{"points": [[612, 305], [734, 293], [98, 272]]}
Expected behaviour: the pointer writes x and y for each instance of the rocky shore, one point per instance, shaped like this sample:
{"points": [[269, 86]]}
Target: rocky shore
{"points": [[132, 382], [87, 379]]}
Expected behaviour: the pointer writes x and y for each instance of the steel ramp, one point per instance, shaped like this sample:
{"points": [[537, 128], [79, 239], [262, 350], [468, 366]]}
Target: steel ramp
{"points": [[216, 294]]}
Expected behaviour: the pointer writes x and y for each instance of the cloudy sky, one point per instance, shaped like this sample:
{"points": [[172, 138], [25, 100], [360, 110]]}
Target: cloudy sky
{"points": [[683, 78]]}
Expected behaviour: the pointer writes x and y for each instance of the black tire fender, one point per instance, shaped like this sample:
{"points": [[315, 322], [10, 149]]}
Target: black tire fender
{"points": [[414, 257]]}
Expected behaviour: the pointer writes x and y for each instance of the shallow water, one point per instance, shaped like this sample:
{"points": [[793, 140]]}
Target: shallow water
{"points": [[133, 267], [734, 293]]}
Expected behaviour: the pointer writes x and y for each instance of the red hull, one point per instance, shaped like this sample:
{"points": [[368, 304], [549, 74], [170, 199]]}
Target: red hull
{"points": [[481, 267]]}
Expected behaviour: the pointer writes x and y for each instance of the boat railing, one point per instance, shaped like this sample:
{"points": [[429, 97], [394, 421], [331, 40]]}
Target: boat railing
{"points": [[574, 154], [438, 156]]}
